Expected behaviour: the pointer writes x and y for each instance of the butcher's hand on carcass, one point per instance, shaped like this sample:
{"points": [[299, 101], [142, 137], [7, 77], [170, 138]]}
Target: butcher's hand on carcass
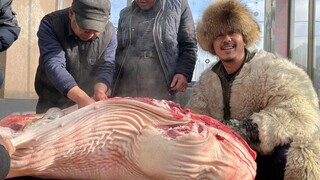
{"points": [[79, 97], [7, 145], [247, 129], [101, 92]]}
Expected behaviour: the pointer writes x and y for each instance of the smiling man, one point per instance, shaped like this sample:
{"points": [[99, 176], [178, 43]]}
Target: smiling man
{"points": [[77, 53], [266, 99]]}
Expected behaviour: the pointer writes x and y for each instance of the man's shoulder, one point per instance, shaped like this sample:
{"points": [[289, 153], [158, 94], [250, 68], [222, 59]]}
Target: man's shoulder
{"points": [[173, 4], [260, 56], [55, 24], [125, 10], [267, 62], [57, 19], [210, 73], [57, 14], [110, 31]]}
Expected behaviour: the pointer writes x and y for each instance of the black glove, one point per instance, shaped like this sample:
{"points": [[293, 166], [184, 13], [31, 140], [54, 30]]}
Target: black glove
{"points": [[246, 129]]}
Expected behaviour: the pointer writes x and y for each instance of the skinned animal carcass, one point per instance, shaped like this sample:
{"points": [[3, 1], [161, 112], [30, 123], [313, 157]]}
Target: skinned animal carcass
{"points": [[126, 138]]}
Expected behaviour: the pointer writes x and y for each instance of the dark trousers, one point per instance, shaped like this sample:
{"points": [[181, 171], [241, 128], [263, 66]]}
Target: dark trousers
{"points": [[272, 166]]}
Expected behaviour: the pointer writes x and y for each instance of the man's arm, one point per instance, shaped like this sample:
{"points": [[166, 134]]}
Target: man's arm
{"points": [[79, 97], [9, 29], [105, 69], [246, 129], [187, 43], [52, 59]]}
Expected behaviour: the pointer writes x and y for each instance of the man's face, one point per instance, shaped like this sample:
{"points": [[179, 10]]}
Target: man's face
{"points": [[229, 46], [145, 4], [83, 34]]}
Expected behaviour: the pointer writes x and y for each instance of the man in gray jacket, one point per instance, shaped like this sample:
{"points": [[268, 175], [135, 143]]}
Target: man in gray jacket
{"points": [[266, 99], [156, 51]]}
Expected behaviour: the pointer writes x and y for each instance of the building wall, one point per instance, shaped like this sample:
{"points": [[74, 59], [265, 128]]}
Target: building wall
{"points": [[21, 59]]}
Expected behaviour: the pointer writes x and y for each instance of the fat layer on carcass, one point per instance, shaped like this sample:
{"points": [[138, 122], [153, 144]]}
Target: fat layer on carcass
{"points": [[129, 139]]}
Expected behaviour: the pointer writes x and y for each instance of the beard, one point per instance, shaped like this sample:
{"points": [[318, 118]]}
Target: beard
{"points": [[228, 60]]}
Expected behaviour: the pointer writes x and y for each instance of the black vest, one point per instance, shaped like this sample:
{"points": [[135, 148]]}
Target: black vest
{"points": [[81, 64]]}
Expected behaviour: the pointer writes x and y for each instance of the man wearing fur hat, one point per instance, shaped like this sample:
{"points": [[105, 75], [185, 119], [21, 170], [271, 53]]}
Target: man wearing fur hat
{"points": [[266, 99]]}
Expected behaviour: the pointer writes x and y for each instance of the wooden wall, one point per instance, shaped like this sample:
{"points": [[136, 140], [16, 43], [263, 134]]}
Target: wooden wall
{"points": [[21, 59]]}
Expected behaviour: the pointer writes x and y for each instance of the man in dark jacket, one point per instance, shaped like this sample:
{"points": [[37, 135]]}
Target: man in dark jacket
{"points": [[77, 51], [9, 29], [157, 49]]}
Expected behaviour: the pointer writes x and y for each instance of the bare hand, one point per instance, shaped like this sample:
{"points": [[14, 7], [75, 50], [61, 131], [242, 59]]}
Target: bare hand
{"points": [[85, 102], [101, 92], [179, 83], [78, 96], [99, 95]]}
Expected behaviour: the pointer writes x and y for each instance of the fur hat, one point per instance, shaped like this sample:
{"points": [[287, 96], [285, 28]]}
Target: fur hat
{"points": [[226, 15]]}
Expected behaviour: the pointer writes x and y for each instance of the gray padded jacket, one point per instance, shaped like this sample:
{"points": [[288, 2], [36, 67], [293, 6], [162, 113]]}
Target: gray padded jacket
{"points": [[174, 38]]}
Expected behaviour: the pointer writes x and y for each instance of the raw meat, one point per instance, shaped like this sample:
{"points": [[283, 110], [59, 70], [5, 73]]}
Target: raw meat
{"points": [[126, 138]]}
